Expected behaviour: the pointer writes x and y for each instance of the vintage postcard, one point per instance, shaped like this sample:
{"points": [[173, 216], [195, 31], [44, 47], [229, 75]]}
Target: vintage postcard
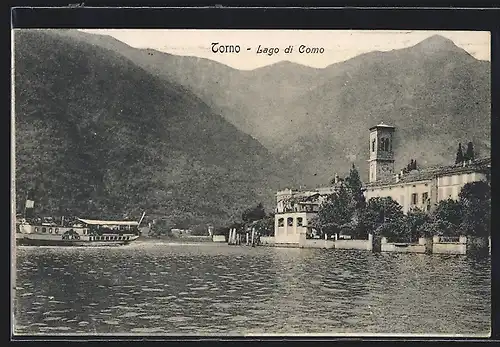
{"points": [[251, 182]]}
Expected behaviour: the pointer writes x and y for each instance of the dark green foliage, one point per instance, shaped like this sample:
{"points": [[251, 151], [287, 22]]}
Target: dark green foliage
{"points": [[475, 198], [355, 189], [381, 211], [265, 226], [99, 137], [335, 212], [451, 212], [469, 154], [413, 222], [460, 156], [253, 213]]}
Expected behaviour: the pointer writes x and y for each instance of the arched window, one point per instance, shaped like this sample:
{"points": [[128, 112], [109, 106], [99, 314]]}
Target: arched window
{"points": [[281, 222], [290, 221], [300, 221]]}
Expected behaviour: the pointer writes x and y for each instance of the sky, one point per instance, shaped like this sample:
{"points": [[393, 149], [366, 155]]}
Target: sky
{"points": [[338, 45]]}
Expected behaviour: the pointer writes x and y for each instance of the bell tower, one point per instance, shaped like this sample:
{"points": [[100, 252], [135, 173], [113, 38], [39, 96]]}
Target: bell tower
{"points": [[381, 152]]}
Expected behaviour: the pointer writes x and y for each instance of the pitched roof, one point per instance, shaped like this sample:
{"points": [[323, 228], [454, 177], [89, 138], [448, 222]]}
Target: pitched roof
{"points": [[432, 172]]}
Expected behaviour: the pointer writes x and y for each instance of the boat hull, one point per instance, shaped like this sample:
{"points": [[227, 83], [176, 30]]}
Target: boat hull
{"points": [[36, 240]]}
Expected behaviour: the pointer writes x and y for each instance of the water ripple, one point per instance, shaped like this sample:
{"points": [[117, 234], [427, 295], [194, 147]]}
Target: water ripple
{"points": [[219, 289]]}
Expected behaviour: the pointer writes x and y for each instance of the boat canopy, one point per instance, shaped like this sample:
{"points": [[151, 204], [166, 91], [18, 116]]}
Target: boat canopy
{"points": [[107, 222]]}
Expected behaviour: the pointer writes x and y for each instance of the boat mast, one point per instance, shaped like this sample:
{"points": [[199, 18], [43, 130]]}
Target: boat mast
{"points": [[142, 217]]}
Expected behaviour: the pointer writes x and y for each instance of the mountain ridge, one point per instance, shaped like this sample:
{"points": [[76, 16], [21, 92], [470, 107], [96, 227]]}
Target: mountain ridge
{"points": [[300, 113], [98, 135]]}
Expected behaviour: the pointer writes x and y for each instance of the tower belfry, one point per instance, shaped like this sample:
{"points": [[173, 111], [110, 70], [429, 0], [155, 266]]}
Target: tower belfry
{"points": [[381, 152]]}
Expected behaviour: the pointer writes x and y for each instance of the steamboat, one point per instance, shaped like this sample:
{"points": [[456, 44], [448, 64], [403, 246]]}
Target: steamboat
{"points": [[76, 232]]}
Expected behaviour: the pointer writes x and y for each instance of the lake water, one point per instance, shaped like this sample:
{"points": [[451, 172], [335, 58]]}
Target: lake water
{"points": [[205, 289]]}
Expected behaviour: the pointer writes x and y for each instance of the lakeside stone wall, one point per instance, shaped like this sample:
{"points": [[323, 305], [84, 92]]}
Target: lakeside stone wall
{"points": [[435, 245], [420, 247]]}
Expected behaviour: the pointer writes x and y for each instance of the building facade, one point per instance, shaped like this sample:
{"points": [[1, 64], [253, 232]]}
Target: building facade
{"points": [[418, 188], [295, 209]]}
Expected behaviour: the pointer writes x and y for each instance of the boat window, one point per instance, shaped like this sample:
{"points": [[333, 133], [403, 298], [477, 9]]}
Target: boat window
{"points": [[44, 229], [299, 221], [36, 229], [128, 237], [56, 230], [281, 222], [50, 230], [290, 221]]}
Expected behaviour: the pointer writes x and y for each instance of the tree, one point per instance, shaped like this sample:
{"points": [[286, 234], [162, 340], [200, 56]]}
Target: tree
{"points": [[355, 189], [334, 212], [413, 222], [265, 226], [475, 200], [380, 211], [447, 217], [469, 154], [460, 156], [253, 213]]}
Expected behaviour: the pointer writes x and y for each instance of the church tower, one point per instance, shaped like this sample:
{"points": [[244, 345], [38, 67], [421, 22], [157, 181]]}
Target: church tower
{"points": [[381, 152]]}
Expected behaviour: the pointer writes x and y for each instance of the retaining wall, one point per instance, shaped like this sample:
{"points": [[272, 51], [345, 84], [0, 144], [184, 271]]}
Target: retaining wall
{"points": [[400, 247]]}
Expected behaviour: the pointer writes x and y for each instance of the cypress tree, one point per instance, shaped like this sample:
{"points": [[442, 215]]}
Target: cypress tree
{"points": [[460, 156], [470, 151]]}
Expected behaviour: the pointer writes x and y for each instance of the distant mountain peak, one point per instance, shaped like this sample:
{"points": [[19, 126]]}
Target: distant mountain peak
{"points": [[436, 43]]}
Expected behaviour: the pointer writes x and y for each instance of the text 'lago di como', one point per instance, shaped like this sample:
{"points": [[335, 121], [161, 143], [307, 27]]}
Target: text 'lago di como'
{"points": [[220, 48]]}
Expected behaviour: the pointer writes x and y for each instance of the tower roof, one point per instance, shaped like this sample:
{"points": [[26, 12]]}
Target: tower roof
{"points": [[382, 126]]}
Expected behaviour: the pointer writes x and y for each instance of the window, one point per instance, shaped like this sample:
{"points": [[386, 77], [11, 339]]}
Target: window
{"points": [[425, 196], [290, 221], [44, 230], [50, 230], [414, 198], [56, 230], [373, 145], [281, 222], [299, 221]]}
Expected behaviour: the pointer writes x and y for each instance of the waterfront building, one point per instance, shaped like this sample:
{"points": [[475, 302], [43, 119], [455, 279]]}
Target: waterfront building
{"points": [[295, 210], [420, 187]]}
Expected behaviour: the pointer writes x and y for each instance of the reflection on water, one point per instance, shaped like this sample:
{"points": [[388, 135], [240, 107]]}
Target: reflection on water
{"points": [[147, 288]]}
